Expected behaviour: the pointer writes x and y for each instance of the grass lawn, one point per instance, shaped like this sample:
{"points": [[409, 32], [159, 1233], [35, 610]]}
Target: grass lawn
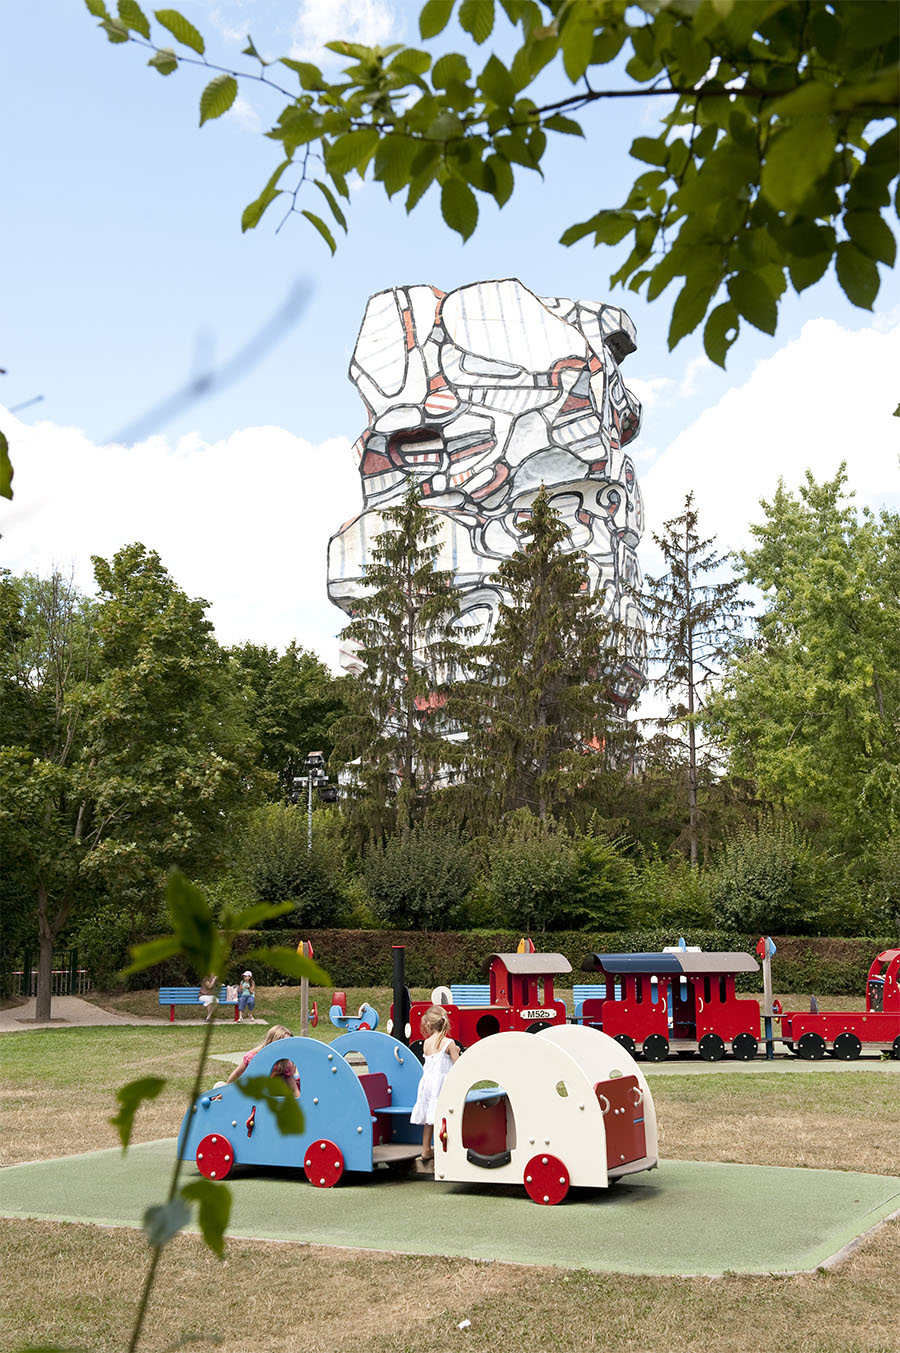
{"points": [[77, 1285]]}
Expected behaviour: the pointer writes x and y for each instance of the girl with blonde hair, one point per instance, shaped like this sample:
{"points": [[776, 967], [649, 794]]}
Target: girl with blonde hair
{"points": [[440, 1054], [284, 1068]]}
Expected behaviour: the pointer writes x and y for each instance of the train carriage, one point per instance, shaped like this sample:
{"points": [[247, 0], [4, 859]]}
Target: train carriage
{"points": [[682, 1001], [844, 1033]]}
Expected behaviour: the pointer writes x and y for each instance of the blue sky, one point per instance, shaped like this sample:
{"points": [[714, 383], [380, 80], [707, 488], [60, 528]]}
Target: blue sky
{"points": [[126, 274]]}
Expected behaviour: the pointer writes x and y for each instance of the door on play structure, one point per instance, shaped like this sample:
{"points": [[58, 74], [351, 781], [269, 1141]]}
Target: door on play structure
{"points": [[621, 1102]]}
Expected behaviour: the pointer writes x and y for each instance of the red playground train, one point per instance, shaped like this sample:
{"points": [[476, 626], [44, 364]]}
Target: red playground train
{"points": [[843, 1033], [683, 1001]]}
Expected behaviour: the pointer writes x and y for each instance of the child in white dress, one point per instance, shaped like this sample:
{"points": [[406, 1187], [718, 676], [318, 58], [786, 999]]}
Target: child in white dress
{"points": [[440, 1054]]}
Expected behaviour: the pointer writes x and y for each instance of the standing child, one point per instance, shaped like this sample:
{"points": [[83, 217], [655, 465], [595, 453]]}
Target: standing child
{"points": [[440, 1054], [247, 997]]}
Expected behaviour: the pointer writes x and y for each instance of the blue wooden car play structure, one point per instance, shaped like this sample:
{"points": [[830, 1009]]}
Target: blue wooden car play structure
{"points": [[365, 1018], [351, 1121]]}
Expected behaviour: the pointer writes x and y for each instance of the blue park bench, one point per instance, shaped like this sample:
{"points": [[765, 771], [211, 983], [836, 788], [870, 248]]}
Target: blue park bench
{"points": [[470, 995], [172, 996]]}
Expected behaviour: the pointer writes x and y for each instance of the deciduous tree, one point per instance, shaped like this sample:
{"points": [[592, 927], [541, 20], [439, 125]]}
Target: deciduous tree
{"points": [[775, 151]]}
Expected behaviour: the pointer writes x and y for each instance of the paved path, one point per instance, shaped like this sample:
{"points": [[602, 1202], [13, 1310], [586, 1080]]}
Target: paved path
{"points": [[69, 1011]]}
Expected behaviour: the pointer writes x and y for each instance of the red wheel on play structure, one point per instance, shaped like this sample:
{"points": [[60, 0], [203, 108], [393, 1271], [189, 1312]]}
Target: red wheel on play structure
{"points": [[546, 1179], [323, 1163], [215, 1156], [314, 1014]]}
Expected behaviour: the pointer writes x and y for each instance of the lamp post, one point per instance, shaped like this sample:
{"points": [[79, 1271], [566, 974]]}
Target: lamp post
{"points": [[315, 778]]}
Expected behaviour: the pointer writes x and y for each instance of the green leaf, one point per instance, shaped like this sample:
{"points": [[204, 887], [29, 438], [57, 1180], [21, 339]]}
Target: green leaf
{"points": [[130, 1098], [796, 159], [413, 60], [97, 8], [577, 41], [496, 83], [131, 14], [806, 270], [504, 181], [476, 17], [309, 75], [251, 916], [459, 207], [322, 229], [353, 150], [332, 202], [6, 469], [754, 300], [689, 308], [165, 61], [252, 213], [650, 150], [448, 68], [609, 227], [213, 1211], [250, 50], [872, 234], [434, 17], [164, 1221], [567, 125], [857, 274], [281, 1101], [217, 97], [194, 925], [181, 30], [154, 951], [115, 30], [290, 963], [721, 330]]}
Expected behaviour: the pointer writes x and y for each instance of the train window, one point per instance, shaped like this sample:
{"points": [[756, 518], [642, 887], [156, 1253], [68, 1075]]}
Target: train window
{"points": [[488, 1125], [654, 991], [639, 990], [487, 1025], [707, 992], [682, 989], [723, 990], [562, 1089]]}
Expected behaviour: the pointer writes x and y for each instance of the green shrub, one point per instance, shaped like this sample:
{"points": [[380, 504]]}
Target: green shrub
{"points": [[421, 879], [275, 863], [674, 892], [534, 872], [770, 879]]}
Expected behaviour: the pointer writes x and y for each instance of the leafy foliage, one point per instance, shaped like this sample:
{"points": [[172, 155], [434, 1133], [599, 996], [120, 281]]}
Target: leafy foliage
{"points": [[811, 709], [275, 864], [772, 880], [420, 879], [774, 160]]}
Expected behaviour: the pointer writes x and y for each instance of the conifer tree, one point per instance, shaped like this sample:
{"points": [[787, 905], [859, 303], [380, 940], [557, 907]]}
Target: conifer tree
{"points": [[408, 647], [692, 624], [538, 712]]}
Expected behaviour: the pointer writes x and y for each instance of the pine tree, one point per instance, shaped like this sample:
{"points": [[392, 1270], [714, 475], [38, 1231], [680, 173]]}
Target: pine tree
{"points": [[408, 646], [692, 626], [538, 712]]}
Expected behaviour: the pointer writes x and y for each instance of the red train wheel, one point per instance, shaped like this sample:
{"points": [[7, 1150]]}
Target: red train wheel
{"points": [[215, 1156], [546, 1180], [323, 1163]]}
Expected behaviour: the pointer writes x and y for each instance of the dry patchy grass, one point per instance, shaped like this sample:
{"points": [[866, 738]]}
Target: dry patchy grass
{"points": [[78, 1286]]}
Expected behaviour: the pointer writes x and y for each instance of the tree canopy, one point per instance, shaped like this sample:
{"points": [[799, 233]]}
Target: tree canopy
{"points": [[776, 149]]}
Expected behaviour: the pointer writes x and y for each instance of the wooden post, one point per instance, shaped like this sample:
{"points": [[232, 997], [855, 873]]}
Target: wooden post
{"points": [[305, 951], [766, 949]]}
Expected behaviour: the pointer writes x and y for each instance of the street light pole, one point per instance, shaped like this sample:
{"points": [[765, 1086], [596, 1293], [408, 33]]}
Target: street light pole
{"points": [[315, 778]]}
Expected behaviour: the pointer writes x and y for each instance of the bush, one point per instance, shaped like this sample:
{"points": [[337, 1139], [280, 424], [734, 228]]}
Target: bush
{"points": [[534, 872], [275, 864], [771, 880], [674, 892], [605, 890], [420, 879]]}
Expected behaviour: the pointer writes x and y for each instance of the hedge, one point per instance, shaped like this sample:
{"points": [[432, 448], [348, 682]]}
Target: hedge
{"points": [[363, 958]]}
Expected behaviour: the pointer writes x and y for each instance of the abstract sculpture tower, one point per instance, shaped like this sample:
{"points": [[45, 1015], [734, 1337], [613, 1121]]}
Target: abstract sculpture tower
{"points": [[481, 395]]}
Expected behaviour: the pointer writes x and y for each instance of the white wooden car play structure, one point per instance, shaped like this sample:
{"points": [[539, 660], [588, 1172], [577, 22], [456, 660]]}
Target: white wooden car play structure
{"points": [[566, 1107]]}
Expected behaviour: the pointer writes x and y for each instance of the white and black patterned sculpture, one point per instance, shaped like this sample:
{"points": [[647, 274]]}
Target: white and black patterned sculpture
{"points": [[481, 395]]}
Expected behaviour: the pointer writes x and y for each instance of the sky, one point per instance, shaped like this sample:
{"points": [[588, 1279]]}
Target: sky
{"points": [[126, 277]]}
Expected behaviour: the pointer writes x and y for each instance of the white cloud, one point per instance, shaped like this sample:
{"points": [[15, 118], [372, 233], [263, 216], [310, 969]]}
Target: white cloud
{"points": [[826, 397], [370, 22], [243, 523]]}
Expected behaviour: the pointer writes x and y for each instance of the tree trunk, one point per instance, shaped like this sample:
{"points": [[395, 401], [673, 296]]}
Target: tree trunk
{"points": [[45, 961]]}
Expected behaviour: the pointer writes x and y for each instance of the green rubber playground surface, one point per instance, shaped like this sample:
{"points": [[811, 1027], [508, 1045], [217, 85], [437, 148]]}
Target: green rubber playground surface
{"points": [[684, 1218]]}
